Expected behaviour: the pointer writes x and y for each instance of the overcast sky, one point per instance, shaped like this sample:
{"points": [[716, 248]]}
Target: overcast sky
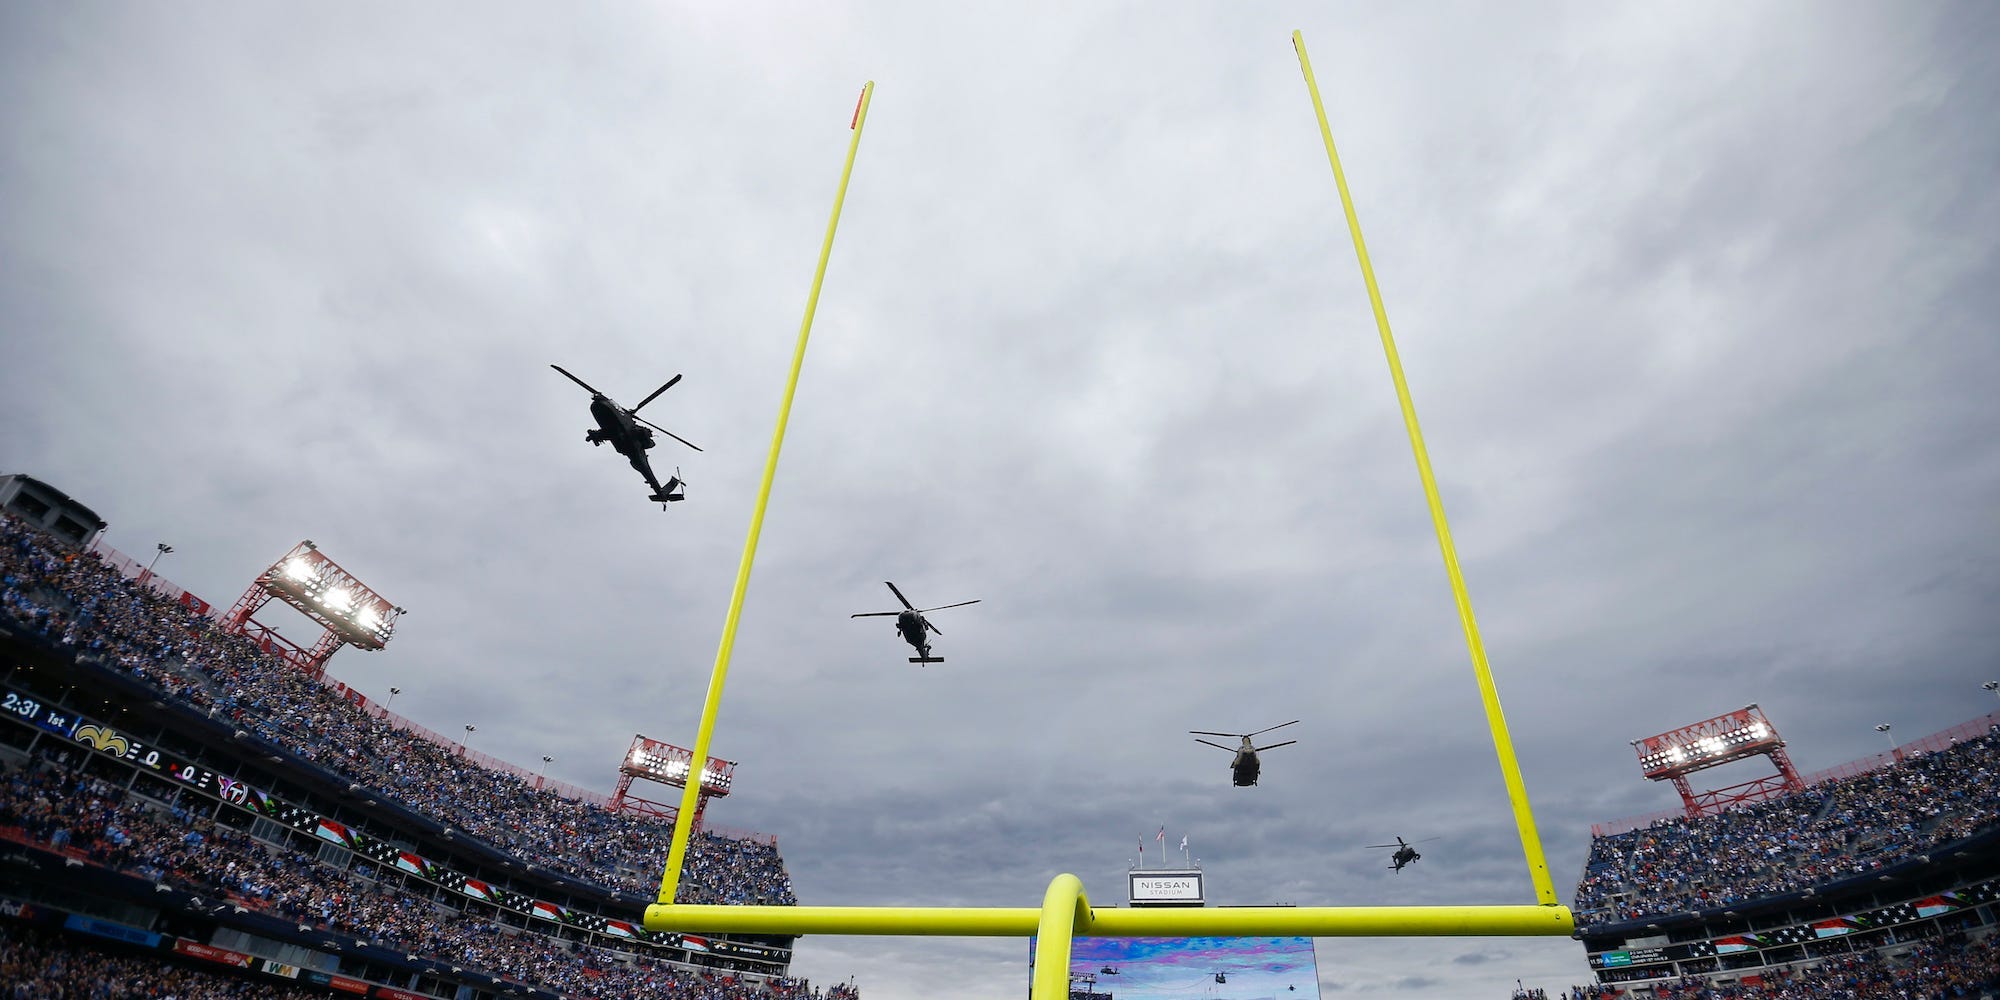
{"points": [[1696, 302]]}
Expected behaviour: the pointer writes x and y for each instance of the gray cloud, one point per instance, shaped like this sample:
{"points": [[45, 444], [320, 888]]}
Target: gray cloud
{"points": [[1694, 302]]}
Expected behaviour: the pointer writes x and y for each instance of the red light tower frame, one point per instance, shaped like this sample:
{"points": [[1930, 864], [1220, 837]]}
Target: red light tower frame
{"points": [[351, 612], [1733, 736], [666, 764]]}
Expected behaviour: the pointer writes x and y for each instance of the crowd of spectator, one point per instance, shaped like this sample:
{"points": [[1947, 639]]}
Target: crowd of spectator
{"points": [[1947, 970], [51, 804], [1830, 831], [81, 602], [39, 965]]}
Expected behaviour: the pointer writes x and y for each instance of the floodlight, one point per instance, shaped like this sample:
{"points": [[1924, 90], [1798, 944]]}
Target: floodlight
{"points": [[1733, 736], [666, 764], [351, 611]]}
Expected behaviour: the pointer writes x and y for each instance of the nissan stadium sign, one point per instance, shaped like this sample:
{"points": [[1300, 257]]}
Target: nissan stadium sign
{"points": [[1176, 887]]}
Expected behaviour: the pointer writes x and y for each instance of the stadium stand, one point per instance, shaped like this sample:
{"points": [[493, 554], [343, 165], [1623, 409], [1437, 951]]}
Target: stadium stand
{"points": [[91, 608], [1873, 877], [179, 790], [37, 964], [1834, 830], [1954, 968]]}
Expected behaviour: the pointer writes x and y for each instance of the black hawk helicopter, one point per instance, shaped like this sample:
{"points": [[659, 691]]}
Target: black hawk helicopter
{"points": [[912, 624], [1243, 769], [1405, 854], [632, 436]]}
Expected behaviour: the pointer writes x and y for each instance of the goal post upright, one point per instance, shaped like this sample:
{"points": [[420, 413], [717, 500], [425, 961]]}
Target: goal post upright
{"points": [[1496, 720], [684, 821]]}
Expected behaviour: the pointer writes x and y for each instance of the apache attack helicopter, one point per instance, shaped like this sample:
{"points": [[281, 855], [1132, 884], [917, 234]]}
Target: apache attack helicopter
{"points": [[1243, 769], [1405, 854], [913, 626], [632, 436]]}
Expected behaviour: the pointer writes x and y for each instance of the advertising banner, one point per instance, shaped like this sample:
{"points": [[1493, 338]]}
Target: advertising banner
{"points": [[219, 956], [107, 929]]}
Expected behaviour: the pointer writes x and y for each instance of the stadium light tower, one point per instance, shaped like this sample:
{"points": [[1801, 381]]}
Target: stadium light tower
{"points": [[1884, 730], [666, 764], [163, 548], [1992, 686], [351, 613], [393, 692], [546, 760], [1734, 736]]}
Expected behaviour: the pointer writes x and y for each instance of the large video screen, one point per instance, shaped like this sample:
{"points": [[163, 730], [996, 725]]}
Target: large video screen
{"points": [[1200, 968]]}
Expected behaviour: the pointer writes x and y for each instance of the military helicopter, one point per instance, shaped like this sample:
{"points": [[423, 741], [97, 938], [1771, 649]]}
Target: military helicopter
{"points": [[913, 625], [1405, 854], [1243, 769], [632, 436]]}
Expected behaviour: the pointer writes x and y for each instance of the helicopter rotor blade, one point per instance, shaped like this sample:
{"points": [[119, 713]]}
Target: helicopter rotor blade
{"points": [[1280, 725], [1426, 840], [876, 614], [925, 611], [578, 381], [934, 628], [1204, 732], [1373, 846], [1218, 746], [662, 430], [1274, 746], [900, 597], [656, 394]]}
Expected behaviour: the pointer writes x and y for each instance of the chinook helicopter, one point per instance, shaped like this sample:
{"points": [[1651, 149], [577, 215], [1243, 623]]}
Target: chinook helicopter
{"points": [[1405, 854], [1243, 769], [632, 436], [912, 624]]}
